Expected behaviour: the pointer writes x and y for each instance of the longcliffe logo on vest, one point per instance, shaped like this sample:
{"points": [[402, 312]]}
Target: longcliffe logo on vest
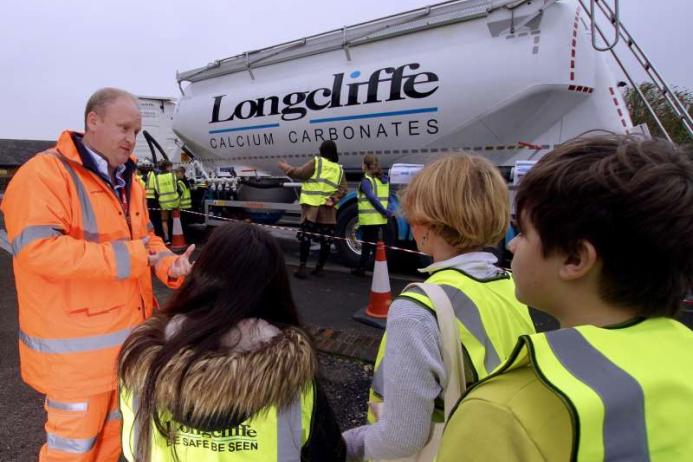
{"points": [[235, 439], [297, 104]]}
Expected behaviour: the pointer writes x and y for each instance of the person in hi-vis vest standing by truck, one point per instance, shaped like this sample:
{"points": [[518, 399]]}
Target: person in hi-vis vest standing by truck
{"points": [[323, 186], [149, 177], [373, 206], [185, 203], [167, 191], [605, 245], [83, 251]]}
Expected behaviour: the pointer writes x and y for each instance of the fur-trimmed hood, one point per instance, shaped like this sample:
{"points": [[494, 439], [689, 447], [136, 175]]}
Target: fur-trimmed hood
{"points": [[264, 366]]}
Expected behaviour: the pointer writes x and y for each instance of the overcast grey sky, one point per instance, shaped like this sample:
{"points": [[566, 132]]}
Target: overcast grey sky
{"points": [[54, 54]]}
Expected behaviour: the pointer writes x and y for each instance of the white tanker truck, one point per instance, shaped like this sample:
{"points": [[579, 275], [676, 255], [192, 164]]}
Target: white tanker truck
{"points": [[504, 79]]}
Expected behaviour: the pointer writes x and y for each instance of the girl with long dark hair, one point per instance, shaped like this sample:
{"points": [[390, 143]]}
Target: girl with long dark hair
{"points": [[224, 372]]}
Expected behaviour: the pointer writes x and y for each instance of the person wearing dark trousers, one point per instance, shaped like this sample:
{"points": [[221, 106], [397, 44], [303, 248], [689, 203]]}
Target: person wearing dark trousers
{"points": [[185, 203], [373, 202], [323, 186], [149, 177]]}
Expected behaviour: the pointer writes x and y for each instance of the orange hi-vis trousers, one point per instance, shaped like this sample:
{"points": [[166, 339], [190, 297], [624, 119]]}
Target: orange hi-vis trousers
{"points": [[82, 430]]}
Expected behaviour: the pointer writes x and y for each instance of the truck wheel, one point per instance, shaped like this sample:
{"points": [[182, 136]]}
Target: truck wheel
{"points": [[347, 220]]}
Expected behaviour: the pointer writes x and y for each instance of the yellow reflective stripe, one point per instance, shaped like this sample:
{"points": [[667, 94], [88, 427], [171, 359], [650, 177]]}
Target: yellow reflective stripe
{"points": [[73, 445], [33, 233], [63, 406], [625, 432], [289, 432], [122, 256], [75, 345], [319, 167]]}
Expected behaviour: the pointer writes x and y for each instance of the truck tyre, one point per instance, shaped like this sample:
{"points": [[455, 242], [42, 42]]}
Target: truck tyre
{"points": [[348, 249]]}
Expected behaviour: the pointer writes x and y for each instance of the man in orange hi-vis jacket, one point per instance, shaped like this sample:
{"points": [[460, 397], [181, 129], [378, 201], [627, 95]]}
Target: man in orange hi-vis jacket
{"points": [[83, 251]]}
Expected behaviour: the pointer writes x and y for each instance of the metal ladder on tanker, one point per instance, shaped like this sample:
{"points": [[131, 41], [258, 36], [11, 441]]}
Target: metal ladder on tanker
{"points": [[620, 32]]}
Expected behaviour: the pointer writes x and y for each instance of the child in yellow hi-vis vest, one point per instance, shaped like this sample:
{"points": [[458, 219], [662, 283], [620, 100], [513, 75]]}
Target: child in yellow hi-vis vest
{"points": [[605, 246], [224, 372]]}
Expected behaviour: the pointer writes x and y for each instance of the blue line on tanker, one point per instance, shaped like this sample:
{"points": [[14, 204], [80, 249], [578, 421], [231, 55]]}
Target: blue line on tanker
{"points": [[374, 115], [238, 129]]}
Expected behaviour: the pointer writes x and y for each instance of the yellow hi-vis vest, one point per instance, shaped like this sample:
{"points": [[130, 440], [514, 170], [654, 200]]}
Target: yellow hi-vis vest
{"points": [[489, 320], [368, 215], [274, 435], [628, 389], [323, 184], [185, 199], [150, 185], [166, 188]]}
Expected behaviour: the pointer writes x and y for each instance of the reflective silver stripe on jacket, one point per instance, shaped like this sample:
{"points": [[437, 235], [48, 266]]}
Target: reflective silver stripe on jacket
{"points": [[319, 172], [625, 430], [290, 432], [150, 226], [468, 314], [74, 445], [114, 415], [136, 424], [33, 233], [63, 406], [91, 231], [75, 345], [319, 179], [317, 193], [323, 180], [122, 257]]}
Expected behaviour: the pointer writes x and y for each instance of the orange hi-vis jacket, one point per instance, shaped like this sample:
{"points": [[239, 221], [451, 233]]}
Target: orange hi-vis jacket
{"points": [[81, 268]]}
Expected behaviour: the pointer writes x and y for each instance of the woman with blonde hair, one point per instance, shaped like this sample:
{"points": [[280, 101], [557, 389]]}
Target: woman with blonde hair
{"points": [[456, 206], [373, 206]]}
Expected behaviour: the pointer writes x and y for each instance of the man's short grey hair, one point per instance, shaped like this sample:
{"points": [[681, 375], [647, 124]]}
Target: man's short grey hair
{"points": [[102, 98]]}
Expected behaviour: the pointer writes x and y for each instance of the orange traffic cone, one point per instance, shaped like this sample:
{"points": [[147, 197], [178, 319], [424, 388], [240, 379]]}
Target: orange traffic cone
{"points": [[178, 239], [380, 297]]}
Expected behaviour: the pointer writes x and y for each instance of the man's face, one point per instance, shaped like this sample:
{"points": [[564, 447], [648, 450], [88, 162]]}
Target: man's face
{"points": [[535, 276], [112, 133]]}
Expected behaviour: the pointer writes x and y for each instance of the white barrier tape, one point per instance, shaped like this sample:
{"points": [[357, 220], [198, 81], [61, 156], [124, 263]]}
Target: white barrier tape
{"points": [[287, 228]]}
